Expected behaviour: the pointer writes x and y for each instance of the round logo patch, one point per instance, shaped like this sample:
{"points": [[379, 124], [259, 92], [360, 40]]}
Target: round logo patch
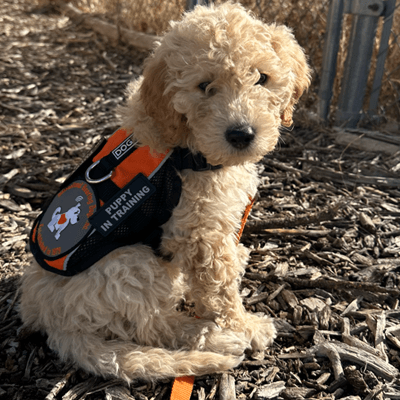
{"points": [[66, 221]]}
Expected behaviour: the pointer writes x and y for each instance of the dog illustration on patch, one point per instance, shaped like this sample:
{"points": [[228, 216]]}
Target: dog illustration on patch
{"points": [[60, 221]]}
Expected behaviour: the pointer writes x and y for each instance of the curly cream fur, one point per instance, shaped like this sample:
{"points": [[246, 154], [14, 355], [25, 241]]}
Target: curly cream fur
{"points": [[119, 317]]}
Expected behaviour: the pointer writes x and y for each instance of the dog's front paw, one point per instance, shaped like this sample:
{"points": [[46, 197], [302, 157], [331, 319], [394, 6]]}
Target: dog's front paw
{"points": [[224, 341], [261, 332]]}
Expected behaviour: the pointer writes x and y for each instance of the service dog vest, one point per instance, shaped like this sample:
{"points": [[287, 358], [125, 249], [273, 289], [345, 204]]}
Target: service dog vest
{"points": [[122, 194]]}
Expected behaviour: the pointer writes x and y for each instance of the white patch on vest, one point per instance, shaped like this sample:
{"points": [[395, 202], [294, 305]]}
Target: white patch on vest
{"points": [[60, 221]]}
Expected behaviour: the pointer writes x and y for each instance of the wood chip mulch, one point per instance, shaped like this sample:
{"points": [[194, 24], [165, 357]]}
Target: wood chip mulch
{"points": [[325, 231]]}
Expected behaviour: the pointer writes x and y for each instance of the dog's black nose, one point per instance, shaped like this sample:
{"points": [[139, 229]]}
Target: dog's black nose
{"points": [[240, 136]]}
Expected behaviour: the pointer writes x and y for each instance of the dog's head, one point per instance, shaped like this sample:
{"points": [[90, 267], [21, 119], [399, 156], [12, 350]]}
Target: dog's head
{"points": [[222, 83]]}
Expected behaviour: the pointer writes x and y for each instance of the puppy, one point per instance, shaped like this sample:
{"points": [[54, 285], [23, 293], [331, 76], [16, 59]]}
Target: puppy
{"points": [[220, 83]]}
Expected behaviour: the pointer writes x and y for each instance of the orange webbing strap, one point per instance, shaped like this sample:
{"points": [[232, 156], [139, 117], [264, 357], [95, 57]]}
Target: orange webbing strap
{"points": [[142, 160], [182, 388], [244, 218]]}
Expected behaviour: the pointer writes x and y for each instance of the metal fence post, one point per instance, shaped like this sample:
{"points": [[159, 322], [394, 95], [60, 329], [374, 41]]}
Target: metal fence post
{"points": [[390, 6], [329, 57], [358, 61], [190, 4]]}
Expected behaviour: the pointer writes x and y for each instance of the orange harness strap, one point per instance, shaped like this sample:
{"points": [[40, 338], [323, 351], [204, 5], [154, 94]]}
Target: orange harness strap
{"points": [[141, 161], [244, 218], [183, 386]]}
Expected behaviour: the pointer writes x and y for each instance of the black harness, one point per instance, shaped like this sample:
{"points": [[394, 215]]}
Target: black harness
{"points": [[121, 195]]}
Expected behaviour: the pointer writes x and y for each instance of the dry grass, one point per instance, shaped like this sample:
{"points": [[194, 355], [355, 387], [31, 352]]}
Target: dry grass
{"points": [[149, 16], [306, 17]]}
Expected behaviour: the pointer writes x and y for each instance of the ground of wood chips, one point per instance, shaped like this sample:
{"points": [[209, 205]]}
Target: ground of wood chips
{"points": [[325, 231]]}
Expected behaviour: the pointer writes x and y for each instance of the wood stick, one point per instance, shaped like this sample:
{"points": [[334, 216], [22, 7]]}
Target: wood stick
{"points": [[59, 386], [8, 326], [81, 389], [257, 363], [319, 260], [5, 297], [331, 352], [118, 392], [340, 284], [305, 219], [29, 363], [11, 305], [227, 387], [361, 357], [357, 343], [380, 336], [298, 232], [139, 40], [353, 306], [352, 354], [257, 299], [365, 143], [213, 390], [352, 179], [108, 384], [283, 166], [258, 277], [375, 392], [388, 138], [271, 390], [393, 339], [201, 393]]}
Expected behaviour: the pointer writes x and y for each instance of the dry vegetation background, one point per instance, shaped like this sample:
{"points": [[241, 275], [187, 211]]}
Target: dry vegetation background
{"points": [[324, 233], [306, 17]]}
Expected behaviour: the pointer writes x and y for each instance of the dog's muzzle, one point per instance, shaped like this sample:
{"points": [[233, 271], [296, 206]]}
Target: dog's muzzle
{"points": [[240, 137]]}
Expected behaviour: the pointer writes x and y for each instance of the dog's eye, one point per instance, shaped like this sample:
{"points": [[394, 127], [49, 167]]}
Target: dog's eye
{"points": [[263, 79], [203, 86]]}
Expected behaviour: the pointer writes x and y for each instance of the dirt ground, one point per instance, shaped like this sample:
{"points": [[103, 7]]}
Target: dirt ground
{"points": [[325, 231]]}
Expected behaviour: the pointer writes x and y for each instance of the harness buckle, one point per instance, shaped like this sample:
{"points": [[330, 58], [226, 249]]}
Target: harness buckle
{"points": [[94, 181]]}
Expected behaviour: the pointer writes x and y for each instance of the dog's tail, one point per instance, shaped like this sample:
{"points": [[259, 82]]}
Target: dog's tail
{"points": [[128, 361]]}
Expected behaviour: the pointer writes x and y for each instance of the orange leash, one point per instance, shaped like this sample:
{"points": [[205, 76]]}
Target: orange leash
{"points": [[183, 386]]}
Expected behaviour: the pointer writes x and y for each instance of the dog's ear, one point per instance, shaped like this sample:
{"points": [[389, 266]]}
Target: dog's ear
{"points": [[156, 98], [292, 55]]}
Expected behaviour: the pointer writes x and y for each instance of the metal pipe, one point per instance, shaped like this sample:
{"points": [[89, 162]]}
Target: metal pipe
{"points": [[190, 4], [354, 80], [390, 6], [329, 57]]}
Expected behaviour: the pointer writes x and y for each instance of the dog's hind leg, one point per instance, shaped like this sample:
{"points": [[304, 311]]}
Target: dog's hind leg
{"points": [[119, 319], [129, 361]]}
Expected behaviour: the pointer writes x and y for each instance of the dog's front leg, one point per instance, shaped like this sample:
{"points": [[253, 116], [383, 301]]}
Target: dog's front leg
{"points": [[215, 281]]}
